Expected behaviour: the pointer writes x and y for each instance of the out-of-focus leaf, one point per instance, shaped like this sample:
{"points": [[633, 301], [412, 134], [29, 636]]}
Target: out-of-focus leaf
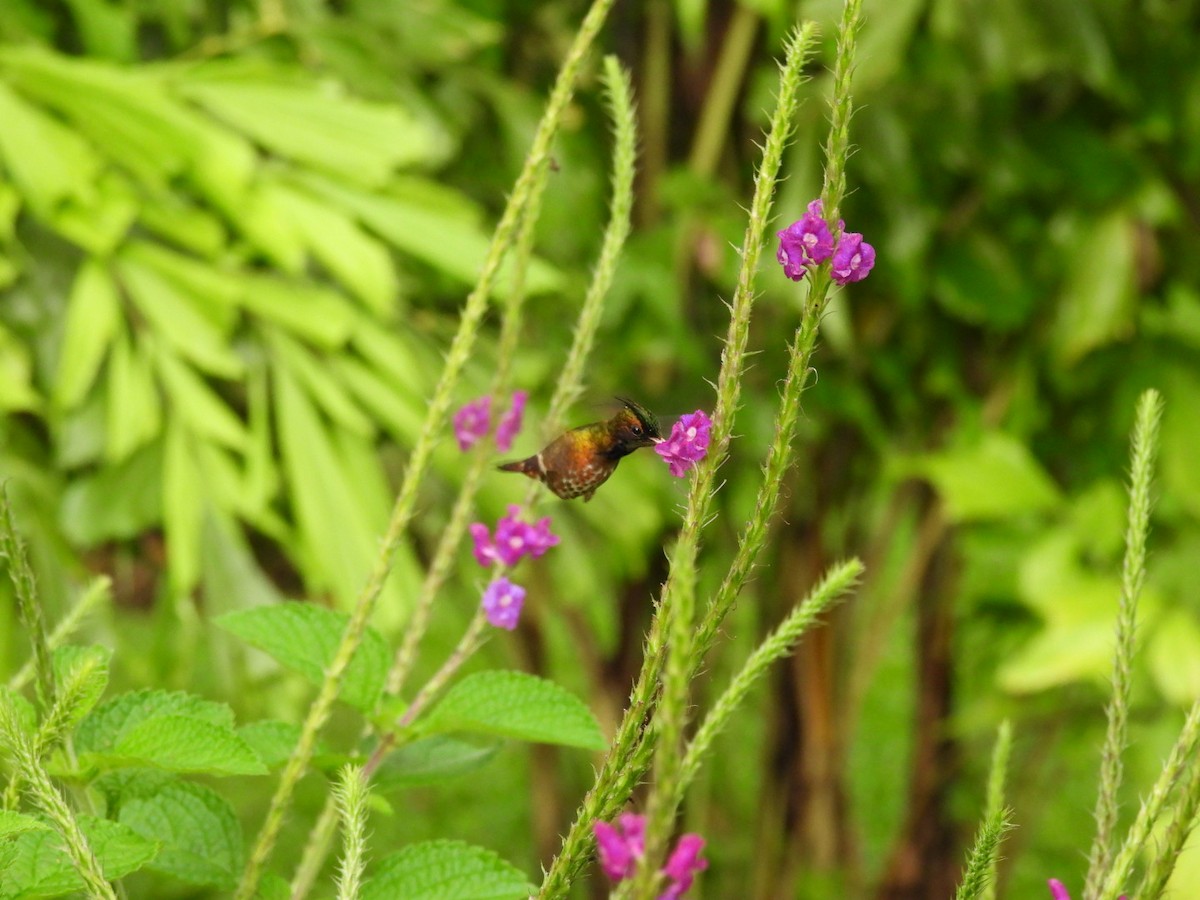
{"points": [[262, 476], [1053, 581], [176, 316], [98, 223], [108, 29], [195, 403], [382, 400], [117, 501], [1174, 654], [211, 291], [1060, 655], [16, 374], [324, 389], [1098, 297], [134, 412], [340, 134], [93, 318], [174, 217], [1181, 438], [979, 281], [305, 638], [183, 508], [446, 870], [312, 312], [993, 478], [356, 259]]}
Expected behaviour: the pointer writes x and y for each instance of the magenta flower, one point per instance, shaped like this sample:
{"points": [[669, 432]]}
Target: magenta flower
{"points": [[1058, 890], [687, 443], [502, 602], [622, 846], [853, 259], [472, 422], [682, 866], [514, 539], [805, 243], [510, 422]]}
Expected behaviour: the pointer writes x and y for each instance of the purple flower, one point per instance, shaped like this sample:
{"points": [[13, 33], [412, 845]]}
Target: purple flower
{"points": [[853, 259], [502, 601], [514, 539], [510, 422], [621, 846], [687, 443], [471, 423], [805, 243], [682, 866], [1058, 890]]}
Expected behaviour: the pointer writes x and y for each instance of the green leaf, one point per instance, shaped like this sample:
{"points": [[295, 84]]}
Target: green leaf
{"points": [[93, 318], [39, 867], [16, 374], [199, 833], [1059, 655], [183, 508], [431, 761], [343, 135], [1174, 655], [183, 744], [1180, 438], [313, 313], [213, 292], [198, 405], [116, 502], [314, 375], [515, 705], [103, 729], [446, 870], [1098, 301], [133, 413], [995, 478], [99, 222], [15, 823], [81, 674], [272, 740], [304, 638]]}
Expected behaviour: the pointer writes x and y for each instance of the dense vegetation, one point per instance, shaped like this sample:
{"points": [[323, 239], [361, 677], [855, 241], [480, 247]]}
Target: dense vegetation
{"points": [[240, 244]]}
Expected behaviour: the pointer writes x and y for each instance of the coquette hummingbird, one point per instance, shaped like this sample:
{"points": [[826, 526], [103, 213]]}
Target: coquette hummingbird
{"points": [[578, 461]]}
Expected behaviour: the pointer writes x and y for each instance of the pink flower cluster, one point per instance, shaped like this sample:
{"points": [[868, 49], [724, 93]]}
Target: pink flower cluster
{"points": [[1058, 890], [623, 845], [514, 539], [809, 242], [473, 422], [687, 443]]}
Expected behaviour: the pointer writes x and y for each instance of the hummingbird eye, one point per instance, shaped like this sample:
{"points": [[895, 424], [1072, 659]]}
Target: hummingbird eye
{"points": [[637, 430]]}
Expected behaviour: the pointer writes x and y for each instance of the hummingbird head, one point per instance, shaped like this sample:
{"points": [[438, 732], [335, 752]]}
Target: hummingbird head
{"points": [[632, 427]]}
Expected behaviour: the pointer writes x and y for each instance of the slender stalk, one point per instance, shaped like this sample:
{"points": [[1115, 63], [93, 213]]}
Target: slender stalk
{"points": [[98, 592], [995, 799], [981, 862], [316, 849], [1183, 754], [352, 792], [1133, 574], [435, 420], [12, 549], [617, 769], [1170, 845]]}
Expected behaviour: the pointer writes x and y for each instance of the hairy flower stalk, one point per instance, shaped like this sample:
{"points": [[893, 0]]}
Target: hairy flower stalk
{"points": [[352, 794], [995, 797], [12, 549], [402, 511]]}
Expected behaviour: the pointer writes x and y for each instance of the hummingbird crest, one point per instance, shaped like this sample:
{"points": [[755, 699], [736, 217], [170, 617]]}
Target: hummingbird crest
{"points": [[578, 461]]}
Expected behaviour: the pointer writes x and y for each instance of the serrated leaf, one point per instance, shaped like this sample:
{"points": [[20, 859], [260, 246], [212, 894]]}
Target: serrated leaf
{"points": [[39, 867], [93, 315], [82, 675], [515, 705], [272, 740], [199, 833], [446, 870], [304, 638], [13, 823], [431, 761], [182, 744], [104, 728]]}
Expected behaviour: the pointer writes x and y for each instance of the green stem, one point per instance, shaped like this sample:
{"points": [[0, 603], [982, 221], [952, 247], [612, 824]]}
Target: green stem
{"points": [[712, 131]]}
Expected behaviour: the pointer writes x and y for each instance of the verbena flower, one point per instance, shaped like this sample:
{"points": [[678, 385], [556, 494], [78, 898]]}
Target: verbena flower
{"points": [[514, 539], [1058, 890], [472, 422], [687, 443], [502, 602], [622, 846], [510, 422], [853, 259], [805, 243]]}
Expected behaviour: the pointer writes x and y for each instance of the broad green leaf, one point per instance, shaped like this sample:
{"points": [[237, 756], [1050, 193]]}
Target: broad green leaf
{"points": [[314, 313], [39, 867], [1053, 581], [93, 318], [390, 407], [1174, 655], [13, 823], [354, 258], [104, 728], [117, 502], [183, 508], [995, 478], [979, 280], [199, 833], [1059, 655], [184, 223], [107, 30], [1180, 438], [195, 403], [82, 675], [325, 390], [263, 223], [183, 744], [133, 414], [99, 222], [304, 638], [261, 474], [48, 161], [1098, 301], [16, 374], [446, 870], [272, 740], [213, 292], [431, 761], [340, 134], [515, 705]]}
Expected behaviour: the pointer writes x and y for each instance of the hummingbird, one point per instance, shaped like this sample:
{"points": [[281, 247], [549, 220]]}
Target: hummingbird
{"points": [[578, 461]]}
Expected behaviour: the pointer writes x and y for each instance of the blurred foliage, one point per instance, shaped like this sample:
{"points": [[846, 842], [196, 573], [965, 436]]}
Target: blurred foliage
{"points": [[233, 238]]}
